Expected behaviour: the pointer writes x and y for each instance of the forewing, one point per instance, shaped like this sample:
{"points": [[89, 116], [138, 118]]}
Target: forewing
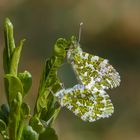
{"points": [[94, 71], [86, 104]]}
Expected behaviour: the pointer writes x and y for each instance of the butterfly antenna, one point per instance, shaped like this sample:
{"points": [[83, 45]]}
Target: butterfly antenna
{"points": [[80, 31]]}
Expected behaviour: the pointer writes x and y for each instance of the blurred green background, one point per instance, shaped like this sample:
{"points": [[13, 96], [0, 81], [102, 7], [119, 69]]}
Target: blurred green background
{"points": [[111, 29]]}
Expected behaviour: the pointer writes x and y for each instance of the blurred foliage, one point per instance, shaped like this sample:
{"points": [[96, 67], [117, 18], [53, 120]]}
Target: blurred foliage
{"points": [[111, 30]]}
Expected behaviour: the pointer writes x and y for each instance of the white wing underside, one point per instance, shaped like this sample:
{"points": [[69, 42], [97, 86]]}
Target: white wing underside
{"points": [[93, 71], [89, 105]]}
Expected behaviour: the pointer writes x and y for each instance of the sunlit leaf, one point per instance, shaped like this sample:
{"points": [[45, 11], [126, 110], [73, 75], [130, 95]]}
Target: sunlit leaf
{"points": [[15, 58], [9, 45], [13, 85]]}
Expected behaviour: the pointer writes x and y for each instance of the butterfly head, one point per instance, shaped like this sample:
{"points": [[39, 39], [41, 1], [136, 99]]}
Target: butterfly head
{"points": [[74, 48]]}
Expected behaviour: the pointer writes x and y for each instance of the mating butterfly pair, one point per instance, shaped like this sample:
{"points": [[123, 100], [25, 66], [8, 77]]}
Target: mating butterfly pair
{"points": [[88, 99]]}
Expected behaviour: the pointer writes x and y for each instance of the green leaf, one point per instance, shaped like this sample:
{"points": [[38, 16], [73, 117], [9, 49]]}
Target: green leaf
{"points": [[11, 54], [24, 117], [13, 85], [14, 116], [6, 62], [49, 84], [29, 134], [26, 79], [49, 113], [49, 78], [3, 131], [36, 124], [60, 47], [25, 111], [9, 37], [15, 58], [48, 134], [9, 45]]}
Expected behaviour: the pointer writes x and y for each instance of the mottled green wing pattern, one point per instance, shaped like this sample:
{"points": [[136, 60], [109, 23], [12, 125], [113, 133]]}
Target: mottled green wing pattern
{"points": [[88, 99], [89, 105], [93, 71]]}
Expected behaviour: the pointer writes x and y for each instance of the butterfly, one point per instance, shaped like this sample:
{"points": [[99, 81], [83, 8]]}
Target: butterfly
{"points": [[88, 99]]}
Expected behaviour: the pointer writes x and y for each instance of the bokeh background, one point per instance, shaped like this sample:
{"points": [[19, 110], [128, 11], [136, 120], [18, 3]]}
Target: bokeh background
{"points": [[111, 29]]}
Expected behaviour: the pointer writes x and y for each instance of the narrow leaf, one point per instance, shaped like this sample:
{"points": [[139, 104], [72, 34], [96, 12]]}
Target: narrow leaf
{"points": [[9, 37], [24, 117], [15, 58], [14, 116], [9, 44]]}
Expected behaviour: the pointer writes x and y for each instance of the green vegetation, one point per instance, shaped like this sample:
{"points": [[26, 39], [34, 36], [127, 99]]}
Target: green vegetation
{"points": [[16, 122], [87, 99]]}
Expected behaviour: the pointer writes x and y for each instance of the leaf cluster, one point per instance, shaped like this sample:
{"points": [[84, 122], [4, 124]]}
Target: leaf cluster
{"points": [[16, 121]]}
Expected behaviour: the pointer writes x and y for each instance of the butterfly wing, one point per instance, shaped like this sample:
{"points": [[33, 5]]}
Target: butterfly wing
{"points": [[94, 71], [89, 105]]}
